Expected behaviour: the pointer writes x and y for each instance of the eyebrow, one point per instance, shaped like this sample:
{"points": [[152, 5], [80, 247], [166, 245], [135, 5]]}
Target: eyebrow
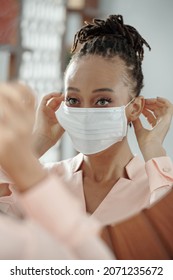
{"points": [[103, 89], [73, 89], [94, 91]]}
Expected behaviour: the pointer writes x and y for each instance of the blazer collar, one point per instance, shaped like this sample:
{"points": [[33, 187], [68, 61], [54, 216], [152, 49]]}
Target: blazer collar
{"points": [[133, 168]]}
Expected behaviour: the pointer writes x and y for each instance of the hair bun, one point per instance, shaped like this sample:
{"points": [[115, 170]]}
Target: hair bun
{"points": [[113, 26]]}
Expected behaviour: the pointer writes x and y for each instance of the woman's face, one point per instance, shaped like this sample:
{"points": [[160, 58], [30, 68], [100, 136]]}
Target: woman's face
{"points": [[96, 82]]}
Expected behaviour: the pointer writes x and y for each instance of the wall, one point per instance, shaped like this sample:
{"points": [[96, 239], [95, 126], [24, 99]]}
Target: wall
{"points": [[154, 20]]}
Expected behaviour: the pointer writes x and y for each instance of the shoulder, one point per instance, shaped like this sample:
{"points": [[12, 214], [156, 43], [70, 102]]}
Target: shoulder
{"points": [[67, 166]]}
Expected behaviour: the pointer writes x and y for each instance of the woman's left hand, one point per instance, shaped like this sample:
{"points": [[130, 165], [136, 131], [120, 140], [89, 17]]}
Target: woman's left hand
{"points": [[158, 112]]}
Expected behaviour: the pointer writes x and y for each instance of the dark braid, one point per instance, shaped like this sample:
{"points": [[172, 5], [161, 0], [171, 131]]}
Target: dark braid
{"points": [[110, 38]]}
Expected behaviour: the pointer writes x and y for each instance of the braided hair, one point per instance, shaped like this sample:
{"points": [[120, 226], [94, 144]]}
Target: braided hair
{"points": [[110, 38]]}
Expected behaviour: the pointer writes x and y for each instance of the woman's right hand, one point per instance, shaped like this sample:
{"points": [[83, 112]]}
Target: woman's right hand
{"points": [[47, 130]]}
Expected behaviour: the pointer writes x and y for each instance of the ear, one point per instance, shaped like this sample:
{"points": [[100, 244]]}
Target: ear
{"points": [[134, 109]]}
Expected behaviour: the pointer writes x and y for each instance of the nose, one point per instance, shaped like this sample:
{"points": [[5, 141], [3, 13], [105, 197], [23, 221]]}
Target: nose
{"points": [[85, 103]]}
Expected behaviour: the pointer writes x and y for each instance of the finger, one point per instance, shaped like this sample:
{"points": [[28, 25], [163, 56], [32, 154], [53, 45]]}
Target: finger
{"points": [[165, 103], [137, 125], [150, 101], [49, 96], [55, 102], [156, 102], [163, 100], [150, 117], [156, 107], [151, 106]]}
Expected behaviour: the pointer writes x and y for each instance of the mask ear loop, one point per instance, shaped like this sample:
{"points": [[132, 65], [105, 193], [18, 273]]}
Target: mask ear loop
{"points": [[130, 102], [130, 123]]}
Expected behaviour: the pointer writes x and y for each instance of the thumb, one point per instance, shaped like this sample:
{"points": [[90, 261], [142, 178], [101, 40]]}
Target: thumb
{"points": [[55, 102], [137, 126]]}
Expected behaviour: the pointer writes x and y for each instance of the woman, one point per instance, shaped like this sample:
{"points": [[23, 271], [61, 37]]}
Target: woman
{"points": [[104, 74], [102, 86]]}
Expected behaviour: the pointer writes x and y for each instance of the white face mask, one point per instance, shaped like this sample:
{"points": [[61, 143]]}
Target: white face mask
{"points": [[93, 130]]}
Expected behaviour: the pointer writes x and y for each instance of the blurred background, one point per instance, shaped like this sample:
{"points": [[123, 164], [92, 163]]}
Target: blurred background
{"points": [[36, 37]]}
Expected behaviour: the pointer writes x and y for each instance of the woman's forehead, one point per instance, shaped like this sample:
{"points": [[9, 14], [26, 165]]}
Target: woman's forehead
{"points": [[93, 74], [95, 66]]}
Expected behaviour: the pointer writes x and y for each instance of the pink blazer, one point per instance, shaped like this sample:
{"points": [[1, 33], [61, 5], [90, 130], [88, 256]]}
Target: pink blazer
{"points": [[146, 184]]}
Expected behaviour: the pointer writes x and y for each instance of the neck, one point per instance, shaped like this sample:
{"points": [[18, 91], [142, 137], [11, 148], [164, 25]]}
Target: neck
{"points": [[109, 164]]}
